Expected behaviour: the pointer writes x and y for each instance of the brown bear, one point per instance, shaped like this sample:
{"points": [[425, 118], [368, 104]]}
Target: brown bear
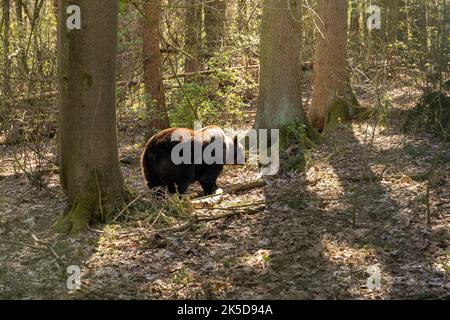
{"points": [[177, 157]]}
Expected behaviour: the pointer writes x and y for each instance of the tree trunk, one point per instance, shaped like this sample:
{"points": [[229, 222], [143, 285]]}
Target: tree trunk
{"points": [[393, 20], [88, 151], [280, 94], [241, 16], [409, 20], [193, 36], [332, 97], [215, 16], [363, 32], [6, 53], [420, 24], [156, 100]]}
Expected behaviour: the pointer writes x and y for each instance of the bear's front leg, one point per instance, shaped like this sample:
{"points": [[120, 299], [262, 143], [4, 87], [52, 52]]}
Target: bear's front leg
{"points": [[208, 183]]}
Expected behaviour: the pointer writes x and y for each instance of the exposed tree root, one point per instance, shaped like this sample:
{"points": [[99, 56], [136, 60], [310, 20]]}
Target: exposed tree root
{"points": [[77, 219]]}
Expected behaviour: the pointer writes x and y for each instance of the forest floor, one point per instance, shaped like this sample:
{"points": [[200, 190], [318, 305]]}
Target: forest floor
{"points": [[293, 238]]}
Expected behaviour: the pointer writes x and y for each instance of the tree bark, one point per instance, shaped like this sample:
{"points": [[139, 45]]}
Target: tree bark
{"points": [[88, 149], [156, 99], [215, 16], [409, 20], [6, 47], [332, 97], [363, 32], [193, 36], [393, 20], [280, 94], [241, 15]]}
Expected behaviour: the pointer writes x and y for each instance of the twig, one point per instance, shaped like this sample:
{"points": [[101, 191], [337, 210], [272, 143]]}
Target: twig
{"points": [[127, 206], [52, 251], [23, 244]]}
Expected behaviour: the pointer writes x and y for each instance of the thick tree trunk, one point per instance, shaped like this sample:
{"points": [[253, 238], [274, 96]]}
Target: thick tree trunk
{"points": [[156, 100], [332, 97], [215, 16], [88, 152], [192, 36], [280, 95]]}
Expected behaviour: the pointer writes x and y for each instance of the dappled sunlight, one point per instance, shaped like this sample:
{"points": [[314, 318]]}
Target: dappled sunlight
{"points": [[354, 266], [322, 178], [359, 208]]}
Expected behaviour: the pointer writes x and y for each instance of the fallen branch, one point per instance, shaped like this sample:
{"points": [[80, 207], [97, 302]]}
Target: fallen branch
{"points": [[233, 189], [23, 244], [196, 220], [245, 186], [52, 251], [127, 206]]}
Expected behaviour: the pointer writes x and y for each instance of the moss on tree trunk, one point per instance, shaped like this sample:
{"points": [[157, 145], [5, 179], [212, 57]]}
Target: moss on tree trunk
{"points": [[340, 110], [333, 99], [78, 218]]}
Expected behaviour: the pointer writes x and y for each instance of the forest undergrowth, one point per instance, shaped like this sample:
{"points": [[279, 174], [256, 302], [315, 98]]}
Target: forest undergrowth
{"points": [[361, 202]]}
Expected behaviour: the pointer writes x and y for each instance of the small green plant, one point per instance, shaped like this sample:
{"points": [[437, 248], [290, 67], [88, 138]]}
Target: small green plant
{"points": [[433, 110], [296, 134]]}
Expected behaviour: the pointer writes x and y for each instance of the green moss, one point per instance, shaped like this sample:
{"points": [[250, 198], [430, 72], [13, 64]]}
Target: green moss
{"points": [[338, 113], [303, 135], [77, 218], [341, 110], [92, 206]]}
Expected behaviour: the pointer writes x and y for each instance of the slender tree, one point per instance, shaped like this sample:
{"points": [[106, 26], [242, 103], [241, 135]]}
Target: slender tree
{"points": [[193, 44], [333, 97], [241, 15], [88, 148], [215, 17], [393, 7], [6, 47], [353, 15], [156, 100], [22, 34], [362, 21]]}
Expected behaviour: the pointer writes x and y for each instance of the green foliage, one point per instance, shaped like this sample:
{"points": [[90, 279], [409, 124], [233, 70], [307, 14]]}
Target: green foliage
{"points": [[296, 133], [433, 110], [122, 7], [221, 97]]}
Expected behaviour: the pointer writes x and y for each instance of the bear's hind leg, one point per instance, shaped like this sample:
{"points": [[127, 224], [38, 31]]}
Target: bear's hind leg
{"points": [[182, 188], [179, 188]]}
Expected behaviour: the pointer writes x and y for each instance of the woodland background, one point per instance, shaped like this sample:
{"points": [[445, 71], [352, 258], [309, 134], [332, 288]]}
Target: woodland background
{"points": [[365, 162]]}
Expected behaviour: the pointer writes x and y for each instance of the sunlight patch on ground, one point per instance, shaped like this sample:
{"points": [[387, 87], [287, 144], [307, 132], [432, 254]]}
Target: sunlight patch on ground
{"points": [[259, 260], [322, 178], [356, 267]]}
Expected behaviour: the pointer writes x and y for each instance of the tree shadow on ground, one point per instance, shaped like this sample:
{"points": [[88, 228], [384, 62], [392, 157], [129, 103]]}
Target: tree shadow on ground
{"points": [[312, 251], [33, 258]]}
